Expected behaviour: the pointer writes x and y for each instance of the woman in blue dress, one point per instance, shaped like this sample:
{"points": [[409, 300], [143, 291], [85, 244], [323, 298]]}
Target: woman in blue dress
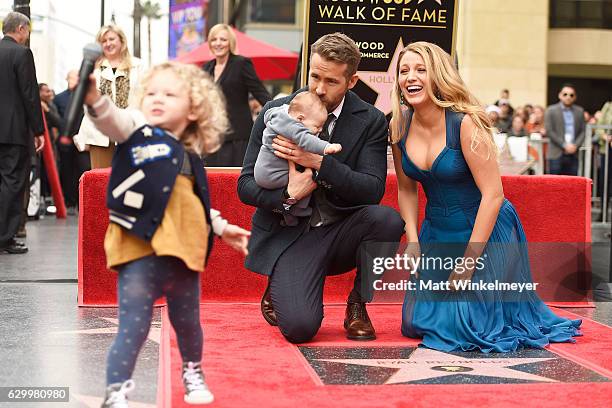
{"points": [[442, 138]]}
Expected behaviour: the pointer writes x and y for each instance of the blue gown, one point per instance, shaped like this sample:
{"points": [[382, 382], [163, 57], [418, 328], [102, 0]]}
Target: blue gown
{"points": [[481, 320]]}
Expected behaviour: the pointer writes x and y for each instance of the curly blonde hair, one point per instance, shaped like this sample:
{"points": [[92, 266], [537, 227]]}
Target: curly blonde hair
{"points": [[447, 90], [204, 135]]}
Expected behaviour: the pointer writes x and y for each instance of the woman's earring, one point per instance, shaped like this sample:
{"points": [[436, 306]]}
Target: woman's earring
{"points": [[402, 100]]}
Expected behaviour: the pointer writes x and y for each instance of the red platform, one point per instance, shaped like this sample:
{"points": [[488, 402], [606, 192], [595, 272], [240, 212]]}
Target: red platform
{"points": [[553, 209]]}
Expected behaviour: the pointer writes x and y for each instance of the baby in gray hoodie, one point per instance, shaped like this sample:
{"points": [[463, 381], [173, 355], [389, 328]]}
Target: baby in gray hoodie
{"points": [[301, 121]]}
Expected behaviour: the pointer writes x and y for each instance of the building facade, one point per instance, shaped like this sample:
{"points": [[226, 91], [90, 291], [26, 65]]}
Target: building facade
{"points": [[530, 47]]}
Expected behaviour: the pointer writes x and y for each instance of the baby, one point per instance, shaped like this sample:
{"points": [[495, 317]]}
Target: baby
{"points": [[300, 121]]}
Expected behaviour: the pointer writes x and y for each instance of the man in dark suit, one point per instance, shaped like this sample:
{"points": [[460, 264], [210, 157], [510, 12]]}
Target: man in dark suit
{"points": [[346, 189], [20, 120], [564, 123], [72, 163]]}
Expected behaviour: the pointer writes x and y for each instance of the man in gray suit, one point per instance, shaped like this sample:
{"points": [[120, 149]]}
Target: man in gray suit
{"points": [[21, 125], [564, 124]]}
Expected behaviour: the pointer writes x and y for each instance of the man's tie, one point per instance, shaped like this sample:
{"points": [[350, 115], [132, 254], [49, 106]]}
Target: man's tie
{"points": [[325, 135], [318, 197]]}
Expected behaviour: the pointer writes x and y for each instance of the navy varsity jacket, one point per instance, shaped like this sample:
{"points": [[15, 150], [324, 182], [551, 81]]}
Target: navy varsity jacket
{"points": [[144, 171]]}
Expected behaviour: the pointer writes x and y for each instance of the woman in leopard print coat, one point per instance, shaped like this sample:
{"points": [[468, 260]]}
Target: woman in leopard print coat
{"points": [[118, 74]]}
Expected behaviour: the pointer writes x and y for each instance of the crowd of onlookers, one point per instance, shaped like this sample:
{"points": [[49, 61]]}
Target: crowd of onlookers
{"points": [[117, 75], [563, 127], [527, 119]]}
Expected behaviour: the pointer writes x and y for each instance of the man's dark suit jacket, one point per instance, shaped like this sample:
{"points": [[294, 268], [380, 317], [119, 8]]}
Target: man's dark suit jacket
{"points": [[20, 110], [351, 179], [236, 81], [62, 101]]}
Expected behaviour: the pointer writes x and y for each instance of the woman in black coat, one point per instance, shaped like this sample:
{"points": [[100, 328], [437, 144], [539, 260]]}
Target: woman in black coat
{"points": [[237, 78]]}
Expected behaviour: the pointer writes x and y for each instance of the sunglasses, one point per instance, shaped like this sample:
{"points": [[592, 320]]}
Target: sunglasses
{"points": [[571, 95]]}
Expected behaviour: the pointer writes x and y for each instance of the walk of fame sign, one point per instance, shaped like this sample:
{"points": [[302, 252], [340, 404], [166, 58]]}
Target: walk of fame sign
{"points": [[381, 29], [410, 365]]}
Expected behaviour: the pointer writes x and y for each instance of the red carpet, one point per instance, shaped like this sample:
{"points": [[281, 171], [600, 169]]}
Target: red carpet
{"points": [[249, 364], [592, 350]]}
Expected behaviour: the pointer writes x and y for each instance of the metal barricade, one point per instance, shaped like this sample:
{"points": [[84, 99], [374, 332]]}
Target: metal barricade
{"points": [[537, 142], [589, 160]]}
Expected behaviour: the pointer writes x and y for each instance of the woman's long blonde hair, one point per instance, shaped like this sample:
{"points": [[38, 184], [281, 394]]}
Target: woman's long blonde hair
{"points": [[205, 134], [126, 57], [447, 90]]}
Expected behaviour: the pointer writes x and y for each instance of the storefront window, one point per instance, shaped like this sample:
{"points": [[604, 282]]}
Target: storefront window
{"points": [[581, 14], [272, 11]]}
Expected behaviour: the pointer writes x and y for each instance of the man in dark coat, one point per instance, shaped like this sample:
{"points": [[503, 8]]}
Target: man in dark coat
{"points": [[21, 125], [346, 218], [72, 162]]}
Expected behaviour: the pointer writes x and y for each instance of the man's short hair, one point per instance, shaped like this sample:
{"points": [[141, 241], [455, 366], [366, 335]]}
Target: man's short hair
{"points": [[339, 48], [304, 101], [13, 21], [568, 85]]}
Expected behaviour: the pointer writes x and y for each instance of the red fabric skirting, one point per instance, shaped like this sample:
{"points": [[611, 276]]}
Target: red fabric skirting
{"points": [[553, 209]]}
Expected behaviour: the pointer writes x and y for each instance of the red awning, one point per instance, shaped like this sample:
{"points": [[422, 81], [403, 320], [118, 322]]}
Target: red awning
{"points": [[270, 62]]}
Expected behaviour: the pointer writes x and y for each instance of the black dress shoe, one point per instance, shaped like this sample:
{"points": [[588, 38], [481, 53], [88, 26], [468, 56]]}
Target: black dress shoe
{"points": [[267, 310], [14, 247], [357, 322]]}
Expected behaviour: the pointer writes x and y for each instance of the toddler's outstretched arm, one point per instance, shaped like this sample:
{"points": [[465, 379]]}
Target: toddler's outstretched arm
{"points": [[233, 235], [117, 124]]}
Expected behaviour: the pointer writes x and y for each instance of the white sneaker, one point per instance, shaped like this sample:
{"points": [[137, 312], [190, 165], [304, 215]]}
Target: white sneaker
{"points": [[196, 390], [116, 394]]}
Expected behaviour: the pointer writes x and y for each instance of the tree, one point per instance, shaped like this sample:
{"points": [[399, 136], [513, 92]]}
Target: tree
{"points": [[151, 11], [137, 15]]}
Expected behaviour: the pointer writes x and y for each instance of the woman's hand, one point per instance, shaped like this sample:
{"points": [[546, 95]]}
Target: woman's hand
{"points": [[286, 149], [465, 271], [237, 238], [460, 274], [413, 252]]}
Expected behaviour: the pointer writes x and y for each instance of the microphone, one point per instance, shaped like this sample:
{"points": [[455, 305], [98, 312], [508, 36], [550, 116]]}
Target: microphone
{"points": [[91, 53]]}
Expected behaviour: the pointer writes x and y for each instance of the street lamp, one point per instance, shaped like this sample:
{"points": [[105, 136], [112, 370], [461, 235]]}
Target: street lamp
{"points": [[22, 6], [137, 17]]}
